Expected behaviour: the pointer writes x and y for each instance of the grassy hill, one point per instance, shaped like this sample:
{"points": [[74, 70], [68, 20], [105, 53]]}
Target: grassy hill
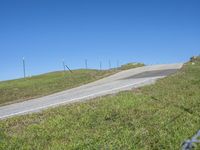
{"points": [[131, 65], [45, 84], [37, 86], [159, 116]]}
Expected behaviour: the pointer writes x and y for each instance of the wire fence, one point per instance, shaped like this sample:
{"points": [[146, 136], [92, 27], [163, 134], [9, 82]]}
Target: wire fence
{"points": [[191, 143]]}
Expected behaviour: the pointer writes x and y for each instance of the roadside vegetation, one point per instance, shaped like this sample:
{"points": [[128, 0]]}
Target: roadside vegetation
{"points": [[131, 65], [159, 116], [45, 84]]}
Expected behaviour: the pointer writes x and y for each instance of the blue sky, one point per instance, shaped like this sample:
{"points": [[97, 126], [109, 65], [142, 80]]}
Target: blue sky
{"points": [[47, 31]]}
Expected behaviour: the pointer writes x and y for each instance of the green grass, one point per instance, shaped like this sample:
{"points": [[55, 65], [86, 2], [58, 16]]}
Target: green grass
{"points": [[37, 86], [159, 116], [45, 84], [131, 65]]}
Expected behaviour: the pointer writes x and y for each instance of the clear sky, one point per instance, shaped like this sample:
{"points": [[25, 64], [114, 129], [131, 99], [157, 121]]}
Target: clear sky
{"points": [[47, 31]]}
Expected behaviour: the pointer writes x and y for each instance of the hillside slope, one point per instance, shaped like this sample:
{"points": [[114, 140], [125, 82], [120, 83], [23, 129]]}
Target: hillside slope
{"points": [[45, 84], [159, 116]]}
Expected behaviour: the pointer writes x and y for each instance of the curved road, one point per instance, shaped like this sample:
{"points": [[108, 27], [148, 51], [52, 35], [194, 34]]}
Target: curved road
{"points": [[121, 81]]}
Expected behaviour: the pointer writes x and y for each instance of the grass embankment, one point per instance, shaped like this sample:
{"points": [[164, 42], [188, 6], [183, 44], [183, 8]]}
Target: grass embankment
{"points": [[131, 65], [159, 116], [45, 84], [22, 89]]}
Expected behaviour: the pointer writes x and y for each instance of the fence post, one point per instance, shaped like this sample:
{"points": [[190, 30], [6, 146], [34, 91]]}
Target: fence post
{"points": [[24, 67], [109, 64], [100, 65], [63, 65], [86, 64]]}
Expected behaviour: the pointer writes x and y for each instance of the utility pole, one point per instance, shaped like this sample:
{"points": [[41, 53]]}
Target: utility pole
{"points": [[24, 67], [86, 64]]}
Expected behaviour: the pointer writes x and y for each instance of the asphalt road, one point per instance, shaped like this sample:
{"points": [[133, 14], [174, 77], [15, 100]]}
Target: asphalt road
{"points": [[121, 81]]}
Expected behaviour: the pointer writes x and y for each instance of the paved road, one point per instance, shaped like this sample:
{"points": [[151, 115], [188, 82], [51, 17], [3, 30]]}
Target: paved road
{"points": [[121, 81]]}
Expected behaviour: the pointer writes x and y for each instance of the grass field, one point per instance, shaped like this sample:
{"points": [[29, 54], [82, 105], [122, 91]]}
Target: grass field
{"points": [[45, 84], [159, 116]]}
